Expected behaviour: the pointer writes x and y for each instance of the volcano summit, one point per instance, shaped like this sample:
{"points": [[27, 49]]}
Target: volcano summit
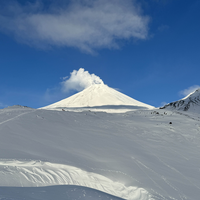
{"points": [[99, 97]]}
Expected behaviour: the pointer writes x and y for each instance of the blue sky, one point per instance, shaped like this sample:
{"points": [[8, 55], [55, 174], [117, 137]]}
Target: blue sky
{"points": [[148, 49]]}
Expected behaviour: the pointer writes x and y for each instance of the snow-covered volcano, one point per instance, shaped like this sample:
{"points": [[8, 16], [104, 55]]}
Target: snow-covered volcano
{"points": [[99, 97], [190, 103]]}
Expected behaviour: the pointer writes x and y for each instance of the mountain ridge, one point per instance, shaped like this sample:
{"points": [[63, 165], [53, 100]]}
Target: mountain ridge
{"points": [[189, 103]]}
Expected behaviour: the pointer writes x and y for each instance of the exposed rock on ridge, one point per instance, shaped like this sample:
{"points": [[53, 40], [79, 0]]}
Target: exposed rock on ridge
{"points": [[189, 103]]}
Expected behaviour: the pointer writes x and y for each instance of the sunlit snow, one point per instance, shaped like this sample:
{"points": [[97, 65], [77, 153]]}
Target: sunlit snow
{"points": [[99, 97], [145, 154], [137, 155]]}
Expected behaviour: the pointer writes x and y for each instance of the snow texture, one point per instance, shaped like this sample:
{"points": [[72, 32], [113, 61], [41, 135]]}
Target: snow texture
{"points": [[139, 155]]}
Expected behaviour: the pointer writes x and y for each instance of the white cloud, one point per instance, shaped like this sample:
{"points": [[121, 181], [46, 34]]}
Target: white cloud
{"points": [[163, 104], [189, 90], [80, 80], [87, 24]]}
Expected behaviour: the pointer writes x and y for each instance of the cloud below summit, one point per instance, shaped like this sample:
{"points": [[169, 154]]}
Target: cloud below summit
{"points": [[87, 25]]}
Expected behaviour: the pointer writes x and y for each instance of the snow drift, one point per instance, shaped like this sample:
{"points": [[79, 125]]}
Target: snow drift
{"points": [[36, 173]]}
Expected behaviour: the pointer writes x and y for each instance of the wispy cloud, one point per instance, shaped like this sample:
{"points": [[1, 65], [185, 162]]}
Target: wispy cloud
{"points": [[2, 105], [80, 80], [189, 90], [163, 28], [87, 25], [163, 104]]}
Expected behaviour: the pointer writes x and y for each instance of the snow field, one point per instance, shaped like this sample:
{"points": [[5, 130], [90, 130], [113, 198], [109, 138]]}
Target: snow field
{"points": [[140, 150]]}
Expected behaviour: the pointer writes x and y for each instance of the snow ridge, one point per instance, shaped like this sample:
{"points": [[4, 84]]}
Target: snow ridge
{"points": [[15, 173], [189, 103]]}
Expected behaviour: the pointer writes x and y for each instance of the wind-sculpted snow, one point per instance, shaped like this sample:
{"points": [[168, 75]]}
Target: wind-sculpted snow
{"points": [[37, 173], [145, 152]]}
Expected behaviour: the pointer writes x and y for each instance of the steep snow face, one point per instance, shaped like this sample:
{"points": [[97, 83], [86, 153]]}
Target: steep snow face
{"points": [[96, 96], [190, 103]]}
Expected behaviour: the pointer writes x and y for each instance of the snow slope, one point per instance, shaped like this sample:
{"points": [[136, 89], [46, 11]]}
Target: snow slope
{"points": [[190, 103], [135, 156], [67, 192], [99, 97]]}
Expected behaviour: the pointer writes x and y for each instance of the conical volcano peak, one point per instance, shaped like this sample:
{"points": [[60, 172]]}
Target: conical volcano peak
{"points": [[98, 86], [98, 95], [98, 89]]}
